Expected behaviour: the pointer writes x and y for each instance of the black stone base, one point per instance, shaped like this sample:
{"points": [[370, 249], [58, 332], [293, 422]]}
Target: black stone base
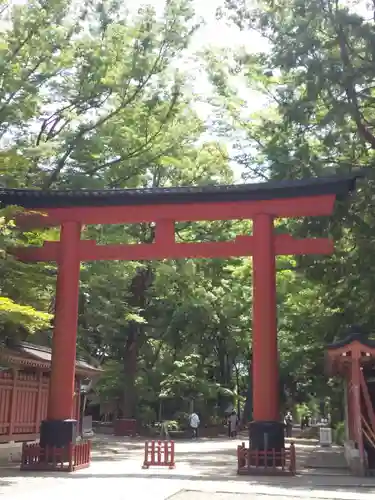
{"points": [[58, 433], [267, 436]]}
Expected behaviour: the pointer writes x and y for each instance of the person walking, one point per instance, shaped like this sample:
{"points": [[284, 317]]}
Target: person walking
{"points": [[194, 424], [306, 421], [232, 423], [288, 421], [164, 434]]}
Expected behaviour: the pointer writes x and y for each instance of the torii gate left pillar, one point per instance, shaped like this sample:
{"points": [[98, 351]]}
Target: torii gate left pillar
{"points": [[60, 428]]}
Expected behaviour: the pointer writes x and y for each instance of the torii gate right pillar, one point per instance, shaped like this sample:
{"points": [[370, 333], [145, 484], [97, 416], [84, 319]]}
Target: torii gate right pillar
{"points": [[266, 430]]}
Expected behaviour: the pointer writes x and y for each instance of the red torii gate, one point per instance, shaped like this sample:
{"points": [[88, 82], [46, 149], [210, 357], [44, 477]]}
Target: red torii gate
{"points": [[353, 358], [261, 202]]}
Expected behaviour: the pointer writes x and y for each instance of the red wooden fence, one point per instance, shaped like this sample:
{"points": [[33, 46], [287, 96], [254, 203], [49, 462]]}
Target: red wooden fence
{"points": [[23, 405], [159, 454], [266, 463], [68, 459]]}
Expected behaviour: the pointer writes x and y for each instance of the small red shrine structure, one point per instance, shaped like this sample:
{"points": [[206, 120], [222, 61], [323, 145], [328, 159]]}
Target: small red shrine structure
{"points": [[262, 203], [354, 359], [24, 382]]}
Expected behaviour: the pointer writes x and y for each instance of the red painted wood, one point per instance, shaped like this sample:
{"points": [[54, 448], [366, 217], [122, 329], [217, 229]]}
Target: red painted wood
{"points": [[5, 397], [19, 399], [13, 404], [159, 454], [264, 245], [125, 427], [367, 399], [285, 244], [309, 206], [61, 389], [22, 423], [241, 247], [165, 233], [38, 406], [253, 462], [357, 412], [347, 349], [265, 355], [69, 459], [350, 409]]}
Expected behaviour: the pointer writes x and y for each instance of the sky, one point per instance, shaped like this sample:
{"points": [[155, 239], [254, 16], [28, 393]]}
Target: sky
{"points": [[216, 34]]}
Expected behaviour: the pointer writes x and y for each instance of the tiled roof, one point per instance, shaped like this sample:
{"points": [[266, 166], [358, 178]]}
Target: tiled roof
{"points": [[33, 198], [43, 355], [353, 334]]}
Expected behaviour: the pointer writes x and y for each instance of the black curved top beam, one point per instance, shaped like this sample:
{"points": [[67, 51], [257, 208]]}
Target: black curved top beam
{"points": [[353, 334], [340, 186]]}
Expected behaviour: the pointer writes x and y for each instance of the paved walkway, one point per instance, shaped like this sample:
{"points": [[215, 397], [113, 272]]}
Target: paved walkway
{"points": [[205, 469], [332, 458]]}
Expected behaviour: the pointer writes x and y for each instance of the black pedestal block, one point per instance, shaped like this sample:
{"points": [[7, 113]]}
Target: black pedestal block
{"points": [[58, 433], [267, 436]]}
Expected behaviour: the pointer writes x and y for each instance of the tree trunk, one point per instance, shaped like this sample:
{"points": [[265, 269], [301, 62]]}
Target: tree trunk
{"points": [[138, 299], [129, 403], [236, 403], [248, 408]]}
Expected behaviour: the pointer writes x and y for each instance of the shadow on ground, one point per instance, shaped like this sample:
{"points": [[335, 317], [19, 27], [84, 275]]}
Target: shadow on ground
{"points": [[196, 465], [116, 457], [298, 483], [114, 446], [5, 483]]}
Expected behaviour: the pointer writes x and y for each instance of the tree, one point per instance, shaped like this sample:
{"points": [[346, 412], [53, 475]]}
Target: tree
{"points": [[130, 320], [89, 97], [317, 75], [23, 302]]}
